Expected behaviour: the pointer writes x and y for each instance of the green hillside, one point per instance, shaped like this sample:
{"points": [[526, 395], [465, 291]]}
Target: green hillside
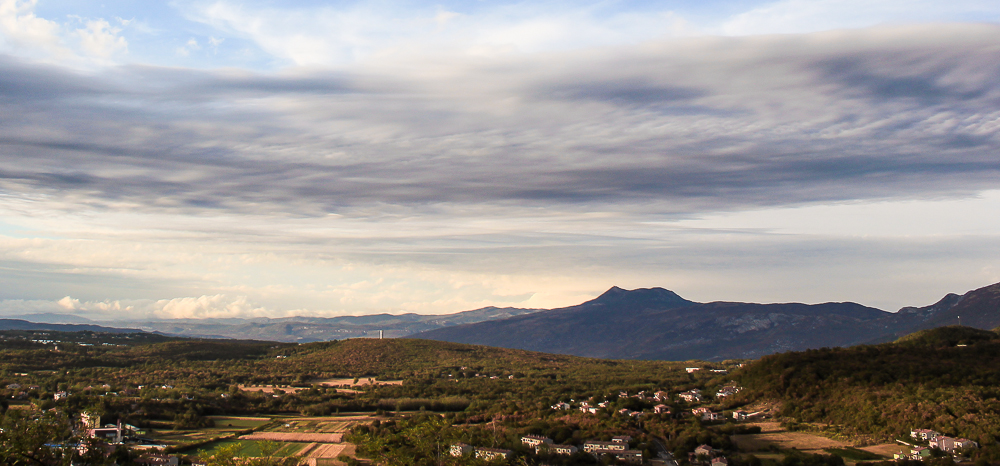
{"points": [[946, 379]]}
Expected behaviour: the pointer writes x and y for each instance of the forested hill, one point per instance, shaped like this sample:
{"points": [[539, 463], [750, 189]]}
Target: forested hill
{"points": [[946, 379], [149, 357], [658, 324]]}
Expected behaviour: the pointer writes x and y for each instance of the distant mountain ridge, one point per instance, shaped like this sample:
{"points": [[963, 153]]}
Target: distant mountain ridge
{"points": [[655, 323], [18, 324], [310, 329]]}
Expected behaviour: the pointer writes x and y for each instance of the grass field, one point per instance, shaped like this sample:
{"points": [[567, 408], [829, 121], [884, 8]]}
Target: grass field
{"points": [[773, 434], [319, 425], [224, 426], [249, 448], [854, 454], [238, 423]]}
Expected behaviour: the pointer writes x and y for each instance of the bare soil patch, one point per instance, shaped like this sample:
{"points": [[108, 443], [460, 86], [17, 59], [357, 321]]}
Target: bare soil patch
{"points": [[352, 383], [269, 388], [773, 434]]}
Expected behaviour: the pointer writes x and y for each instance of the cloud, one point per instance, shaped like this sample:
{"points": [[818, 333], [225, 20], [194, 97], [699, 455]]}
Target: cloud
{"points": [[98, 38], [26, 35], [201, 307], [472, 181], [718, 124], [802, 16], [349, 33], [21, 29]]}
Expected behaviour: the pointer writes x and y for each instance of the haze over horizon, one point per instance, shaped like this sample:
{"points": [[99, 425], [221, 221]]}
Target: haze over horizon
{"points": [[242, 159]]}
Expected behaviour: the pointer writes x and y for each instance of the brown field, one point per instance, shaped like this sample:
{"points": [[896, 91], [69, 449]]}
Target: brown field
{"points": [[325, 450], [269, 388], [294, 437], [350, 382], [773, 434]]}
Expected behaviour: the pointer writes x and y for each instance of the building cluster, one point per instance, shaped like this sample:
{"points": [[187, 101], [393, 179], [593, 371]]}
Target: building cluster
{"points": [[617, 447], [728, 390], [951, 445], [706, 414], [741, 415], [489, 454], [691, 396]]}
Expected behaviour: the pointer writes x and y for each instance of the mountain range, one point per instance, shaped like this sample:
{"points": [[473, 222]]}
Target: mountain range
{"points": [[286, 329], [655, 323], [649, 323]]}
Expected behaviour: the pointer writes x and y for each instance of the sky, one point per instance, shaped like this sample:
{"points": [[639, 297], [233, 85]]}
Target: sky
{"points": [[194, 159]]}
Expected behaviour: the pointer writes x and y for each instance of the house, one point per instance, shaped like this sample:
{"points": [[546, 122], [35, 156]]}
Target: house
{"points": [[561, 405], [628, 456], [692, 369], [700, 411], [920, 453], [60, 395], [556, 449], [157, 459], [108, 434], [461, 449], [720, 461], [710, 416], [691, 395], [625, 439], [740, 415], [490, 454], [661, 409], [704, 450], [728, 390], [535, 440], [597, 446], [923, 434], [950, 444], [661, 396]]}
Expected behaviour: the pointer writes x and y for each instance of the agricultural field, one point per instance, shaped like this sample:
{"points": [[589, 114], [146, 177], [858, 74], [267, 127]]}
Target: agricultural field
{"points": [[249, 448], [773, 434], [353, 382], [224, 426], [270, 389], [317, 440], [327, 424]]}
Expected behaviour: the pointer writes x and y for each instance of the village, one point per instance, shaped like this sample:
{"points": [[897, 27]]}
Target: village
{"points": [[620, 447], [930, 444]]}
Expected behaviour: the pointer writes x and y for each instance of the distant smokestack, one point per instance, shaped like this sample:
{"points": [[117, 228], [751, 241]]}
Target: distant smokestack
{"points": [[379, 334]]}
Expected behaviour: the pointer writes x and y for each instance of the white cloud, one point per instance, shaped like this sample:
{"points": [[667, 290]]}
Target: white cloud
{"points": [[201, 307], [337, 36], [801, 16], [24, 34], [99, 39]]}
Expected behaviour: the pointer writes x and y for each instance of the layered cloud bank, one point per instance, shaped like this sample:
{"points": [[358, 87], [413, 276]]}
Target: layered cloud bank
{"points": [[435, 181]]}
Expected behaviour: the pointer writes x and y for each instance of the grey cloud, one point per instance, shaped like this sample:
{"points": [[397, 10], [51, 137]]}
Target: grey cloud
{"points": [[756, 122]]}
